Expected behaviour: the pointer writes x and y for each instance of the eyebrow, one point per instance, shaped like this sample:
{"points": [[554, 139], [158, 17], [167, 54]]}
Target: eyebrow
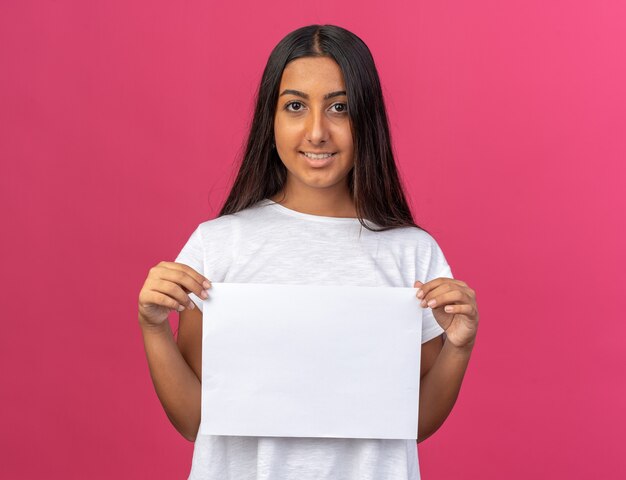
{"points": [[304, 95]]}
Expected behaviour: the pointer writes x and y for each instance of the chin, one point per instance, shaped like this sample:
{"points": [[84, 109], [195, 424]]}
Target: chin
{"points": [[321, 182]]}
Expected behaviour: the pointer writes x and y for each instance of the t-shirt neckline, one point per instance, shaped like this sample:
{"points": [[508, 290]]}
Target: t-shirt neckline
{"points": [[307, 216]]}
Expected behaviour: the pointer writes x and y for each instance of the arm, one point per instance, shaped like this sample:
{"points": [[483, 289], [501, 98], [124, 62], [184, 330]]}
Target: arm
{"points": [[177, 383], [441, 378]]}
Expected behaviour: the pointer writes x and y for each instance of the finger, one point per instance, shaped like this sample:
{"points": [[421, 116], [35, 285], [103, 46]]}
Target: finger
{"points": [[201, 279], [187, 277], [444, 295], [461, 308], [172, 290], [158, 298], [425, 288]]}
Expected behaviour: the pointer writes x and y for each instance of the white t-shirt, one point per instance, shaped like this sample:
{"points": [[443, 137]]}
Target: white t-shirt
{"points": [[269, 243]]}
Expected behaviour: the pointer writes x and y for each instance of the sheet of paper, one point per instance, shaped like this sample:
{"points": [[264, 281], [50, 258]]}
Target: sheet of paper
{"points": [[310, 361]]}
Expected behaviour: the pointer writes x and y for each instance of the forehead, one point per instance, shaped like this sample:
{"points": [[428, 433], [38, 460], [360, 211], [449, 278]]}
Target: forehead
{"points": [[314, 75]]}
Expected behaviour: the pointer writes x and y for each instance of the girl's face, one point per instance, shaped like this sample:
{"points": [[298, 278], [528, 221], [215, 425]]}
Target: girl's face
{"points": [[312, 117]]}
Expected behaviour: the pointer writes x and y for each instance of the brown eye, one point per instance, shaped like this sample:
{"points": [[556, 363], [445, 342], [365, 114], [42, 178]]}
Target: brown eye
{"points": [[343, 107], [293, 103]]}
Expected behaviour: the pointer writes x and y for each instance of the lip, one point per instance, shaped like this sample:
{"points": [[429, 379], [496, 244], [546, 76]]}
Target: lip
{"points": [[320, 163]]}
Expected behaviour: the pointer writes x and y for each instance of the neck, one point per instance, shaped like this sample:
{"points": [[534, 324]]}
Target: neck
{"points": [[318, 201]]}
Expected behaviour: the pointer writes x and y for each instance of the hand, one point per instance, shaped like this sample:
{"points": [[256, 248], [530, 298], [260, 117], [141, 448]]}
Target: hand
{"points": [[166, 288], [454, 308]]}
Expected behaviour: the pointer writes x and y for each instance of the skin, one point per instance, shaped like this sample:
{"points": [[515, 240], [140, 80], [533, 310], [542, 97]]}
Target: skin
{"points": [[453, 304], [301, 124], [314, 124]]}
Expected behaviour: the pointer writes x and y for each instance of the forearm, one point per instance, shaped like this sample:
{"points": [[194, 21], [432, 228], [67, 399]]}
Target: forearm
{"points": [[176, 385], [440, 387]]}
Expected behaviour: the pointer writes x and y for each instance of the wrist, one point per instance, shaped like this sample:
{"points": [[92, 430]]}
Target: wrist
{"points": [[462, 349], [151, 328]]}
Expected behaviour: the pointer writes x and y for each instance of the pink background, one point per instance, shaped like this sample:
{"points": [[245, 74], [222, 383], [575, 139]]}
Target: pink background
{"points": [[120, 121]]}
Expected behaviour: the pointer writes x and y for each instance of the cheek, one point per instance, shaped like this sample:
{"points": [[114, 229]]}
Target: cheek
{"points": [[287, 134], [346, 139], [348, 147]]}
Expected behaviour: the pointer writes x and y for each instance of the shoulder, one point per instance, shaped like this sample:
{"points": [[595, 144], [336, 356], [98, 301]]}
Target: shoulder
{"points": [[422, 249], [411, 237], [232, 223]]}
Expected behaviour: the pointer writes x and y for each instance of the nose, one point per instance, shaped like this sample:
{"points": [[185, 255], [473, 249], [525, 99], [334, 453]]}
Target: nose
{"points": [[316, 128]]}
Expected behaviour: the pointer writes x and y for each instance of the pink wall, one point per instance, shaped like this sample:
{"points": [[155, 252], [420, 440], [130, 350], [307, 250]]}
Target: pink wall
{"points": [[119, 121]]}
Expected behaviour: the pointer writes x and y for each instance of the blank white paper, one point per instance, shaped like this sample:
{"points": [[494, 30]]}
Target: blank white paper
{"points": [[310, 361]]}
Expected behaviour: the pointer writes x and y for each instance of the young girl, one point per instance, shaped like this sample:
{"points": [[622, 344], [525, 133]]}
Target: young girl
{"points": [[317, 201]]}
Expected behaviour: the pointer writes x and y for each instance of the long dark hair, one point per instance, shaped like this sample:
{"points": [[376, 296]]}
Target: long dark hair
{"points": [[374, 184]]}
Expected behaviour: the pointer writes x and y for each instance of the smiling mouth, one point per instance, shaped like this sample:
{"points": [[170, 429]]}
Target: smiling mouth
{"points": [[318, 156], [319, 161]]}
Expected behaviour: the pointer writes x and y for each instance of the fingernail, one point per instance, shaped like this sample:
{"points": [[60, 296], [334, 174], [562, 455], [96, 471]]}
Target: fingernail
{"points": [[432, 303], [204, 294], [181, 308], [423, 304], [192, 305], [419, 293], [206, 284]]}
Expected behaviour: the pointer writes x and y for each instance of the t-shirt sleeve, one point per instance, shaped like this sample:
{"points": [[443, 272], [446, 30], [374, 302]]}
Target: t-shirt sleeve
{"points": [[192, 255], [438, 267]]}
